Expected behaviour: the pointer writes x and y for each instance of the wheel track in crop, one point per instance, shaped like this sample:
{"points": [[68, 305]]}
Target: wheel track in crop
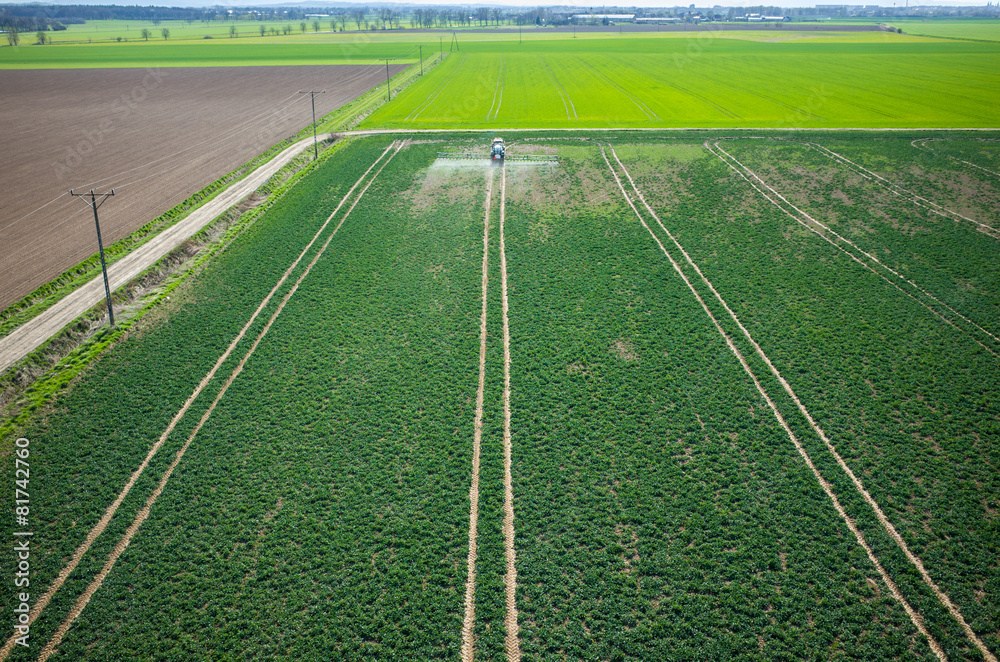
{"points": [[497, 95], [120, 547], [416, 112], [646, 110], [865, 259], [921, 143], [756, 93], [469, 623], [859, 486], [898, 190], [512, 642], [560, 90], [915, 618], [671, 83]]}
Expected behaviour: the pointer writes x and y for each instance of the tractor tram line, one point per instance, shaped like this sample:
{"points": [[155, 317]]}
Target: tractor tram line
{"points": [[915, 617]]}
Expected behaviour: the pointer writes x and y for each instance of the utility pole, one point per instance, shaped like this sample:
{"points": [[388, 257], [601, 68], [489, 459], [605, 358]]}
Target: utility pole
{"points": [[312, 95], [387, 61], [440, 48], [421, 59], [94, 204]]}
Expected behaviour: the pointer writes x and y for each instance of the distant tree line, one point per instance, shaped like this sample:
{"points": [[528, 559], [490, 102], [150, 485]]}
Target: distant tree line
{"points": [[13, 21], [16, 20], [33, 16]]}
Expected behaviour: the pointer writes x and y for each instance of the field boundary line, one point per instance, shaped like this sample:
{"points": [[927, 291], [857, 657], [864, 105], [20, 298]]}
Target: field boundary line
{"points": [[859, 486], [560, 90], [923, 145], [915, 618], [898, 190], [851, 255], [469, 623], [416, 112], [102, 524], [512, 641]]}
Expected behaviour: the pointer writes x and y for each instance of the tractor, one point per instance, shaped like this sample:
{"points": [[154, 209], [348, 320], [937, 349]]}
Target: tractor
{"points": [[499, 156], [497, 150]]}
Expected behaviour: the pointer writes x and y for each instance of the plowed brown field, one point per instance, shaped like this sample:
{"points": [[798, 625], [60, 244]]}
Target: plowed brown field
{"points": [[154, 135]]}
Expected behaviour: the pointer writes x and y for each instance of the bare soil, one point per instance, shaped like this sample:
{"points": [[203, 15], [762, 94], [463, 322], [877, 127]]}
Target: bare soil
{"points": [[156, 136]]}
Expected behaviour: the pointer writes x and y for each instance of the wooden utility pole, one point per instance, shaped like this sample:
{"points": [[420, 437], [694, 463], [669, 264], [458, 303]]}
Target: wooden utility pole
{"points": [[388, 91], [312, 94], [94, 204]]}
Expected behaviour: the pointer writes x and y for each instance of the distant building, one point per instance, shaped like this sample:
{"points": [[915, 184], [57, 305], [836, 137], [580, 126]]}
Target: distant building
{"points": [[611, 18], [760, 18]]}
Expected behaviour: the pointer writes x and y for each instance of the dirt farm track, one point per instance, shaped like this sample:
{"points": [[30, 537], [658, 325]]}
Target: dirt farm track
{"points": [[154, 135]]}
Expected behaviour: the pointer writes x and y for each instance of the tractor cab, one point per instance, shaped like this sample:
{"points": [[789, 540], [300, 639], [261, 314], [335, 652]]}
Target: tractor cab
{"points": [[497, 150]]}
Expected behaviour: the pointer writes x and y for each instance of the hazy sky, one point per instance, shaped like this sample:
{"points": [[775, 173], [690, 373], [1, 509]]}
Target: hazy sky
{"points": [[530, 3]]}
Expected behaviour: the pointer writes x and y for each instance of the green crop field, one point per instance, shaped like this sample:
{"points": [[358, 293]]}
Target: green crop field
{"points": [[977, 29], [871, 80], [712, 396]]}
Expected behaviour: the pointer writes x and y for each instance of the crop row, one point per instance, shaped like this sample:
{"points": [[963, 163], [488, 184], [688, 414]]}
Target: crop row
{"points": [[662, 511], [944, 254], [337, 462], [899, 392]]}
